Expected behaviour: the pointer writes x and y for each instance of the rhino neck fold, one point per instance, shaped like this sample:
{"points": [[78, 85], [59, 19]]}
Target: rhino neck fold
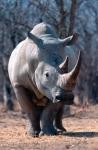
{"points": [[34, 88]]}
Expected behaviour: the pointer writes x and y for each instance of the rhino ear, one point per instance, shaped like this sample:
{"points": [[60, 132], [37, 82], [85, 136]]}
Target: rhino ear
{"points": [[70, 40], [34, 38]]}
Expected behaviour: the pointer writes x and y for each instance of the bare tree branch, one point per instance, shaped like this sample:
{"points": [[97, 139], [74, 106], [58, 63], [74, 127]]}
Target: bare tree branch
{"points": [[72, 17]]}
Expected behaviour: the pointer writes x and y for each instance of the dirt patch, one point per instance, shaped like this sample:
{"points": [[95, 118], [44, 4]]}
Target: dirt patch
{"points": [[82, 132]]}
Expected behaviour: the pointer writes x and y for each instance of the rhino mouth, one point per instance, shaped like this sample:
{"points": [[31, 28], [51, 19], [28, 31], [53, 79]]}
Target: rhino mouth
{"points": [[56, 100], [65, 97]]}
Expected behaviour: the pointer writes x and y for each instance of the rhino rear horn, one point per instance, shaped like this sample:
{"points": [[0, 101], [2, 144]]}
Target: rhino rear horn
{"points": [[34, 38], [64, 66]]}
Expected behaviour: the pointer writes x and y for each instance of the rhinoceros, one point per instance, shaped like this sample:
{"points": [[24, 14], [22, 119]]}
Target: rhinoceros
{"points": [[38, 71]]}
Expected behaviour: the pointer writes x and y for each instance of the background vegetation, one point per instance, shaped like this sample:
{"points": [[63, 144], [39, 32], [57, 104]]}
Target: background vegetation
{"points": [[17, 17]]}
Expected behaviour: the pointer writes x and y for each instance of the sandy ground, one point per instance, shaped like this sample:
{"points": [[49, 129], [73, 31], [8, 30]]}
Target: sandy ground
{"points": [[82, 132]]}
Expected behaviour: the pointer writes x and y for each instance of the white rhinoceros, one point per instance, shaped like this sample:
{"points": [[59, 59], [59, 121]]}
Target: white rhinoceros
{"points": [[38, 72]]}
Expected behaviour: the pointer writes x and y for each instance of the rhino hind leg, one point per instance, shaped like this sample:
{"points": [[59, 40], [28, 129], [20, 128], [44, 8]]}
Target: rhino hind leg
{"points": [[33, 115]]}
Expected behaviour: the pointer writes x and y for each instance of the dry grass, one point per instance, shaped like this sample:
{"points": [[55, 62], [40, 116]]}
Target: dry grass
{"points": [[82, 132]]}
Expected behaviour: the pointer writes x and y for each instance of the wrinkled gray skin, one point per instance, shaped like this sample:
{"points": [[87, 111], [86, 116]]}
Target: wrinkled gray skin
{"points": [[36, 79]]}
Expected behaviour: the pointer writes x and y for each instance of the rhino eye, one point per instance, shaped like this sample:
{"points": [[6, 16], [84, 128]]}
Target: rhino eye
{"points": [[47, 74]]}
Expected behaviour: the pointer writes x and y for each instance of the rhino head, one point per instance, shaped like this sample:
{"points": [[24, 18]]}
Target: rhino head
{"points": [[50, 63]]}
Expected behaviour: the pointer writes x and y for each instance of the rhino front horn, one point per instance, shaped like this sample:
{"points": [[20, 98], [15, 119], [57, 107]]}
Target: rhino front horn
{"points": [[70, 78]]}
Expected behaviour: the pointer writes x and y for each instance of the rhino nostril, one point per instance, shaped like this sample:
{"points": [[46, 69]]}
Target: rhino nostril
{"points": [[58, 97], [73, 97]]}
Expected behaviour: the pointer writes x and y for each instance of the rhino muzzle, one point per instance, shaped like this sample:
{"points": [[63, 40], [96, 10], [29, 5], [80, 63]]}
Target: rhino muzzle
{"points": [[66, 97]]}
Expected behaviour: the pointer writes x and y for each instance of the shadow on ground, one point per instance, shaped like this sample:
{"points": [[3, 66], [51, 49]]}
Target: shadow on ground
{"points": [[82, 134]]}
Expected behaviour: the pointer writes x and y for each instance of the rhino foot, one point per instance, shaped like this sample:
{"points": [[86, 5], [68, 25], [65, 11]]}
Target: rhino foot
{"points": [[49, 132], [31, 131], [61, 131]]}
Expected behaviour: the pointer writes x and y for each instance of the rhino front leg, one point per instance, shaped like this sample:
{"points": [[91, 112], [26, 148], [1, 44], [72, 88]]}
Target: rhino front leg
{"points": [[33, 115], [47, 118], [58, 120], [33, 122]]}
